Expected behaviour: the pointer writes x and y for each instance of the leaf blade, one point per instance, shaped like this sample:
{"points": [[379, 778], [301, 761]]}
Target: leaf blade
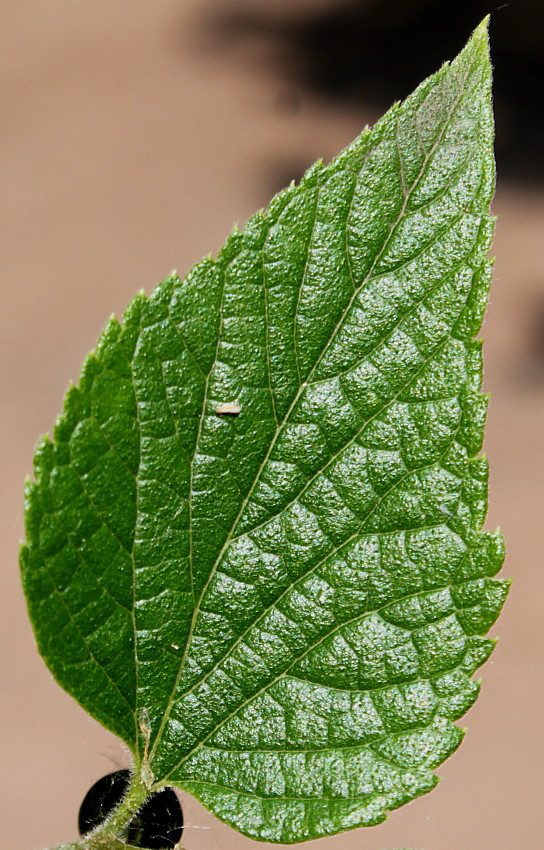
{"points": [[308, 580]]}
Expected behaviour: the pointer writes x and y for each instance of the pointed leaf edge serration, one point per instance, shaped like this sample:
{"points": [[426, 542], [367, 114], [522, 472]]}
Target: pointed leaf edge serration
{"points": [[291, 592]]}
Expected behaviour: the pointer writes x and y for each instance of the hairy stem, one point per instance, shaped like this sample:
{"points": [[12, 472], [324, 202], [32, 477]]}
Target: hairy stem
{"points": [[107, 835]]}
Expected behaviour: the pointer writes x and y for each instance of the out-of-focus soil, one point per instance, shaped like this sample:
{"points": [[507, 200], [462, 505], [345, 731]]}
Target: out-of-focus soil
{"points": [[129, 148]]}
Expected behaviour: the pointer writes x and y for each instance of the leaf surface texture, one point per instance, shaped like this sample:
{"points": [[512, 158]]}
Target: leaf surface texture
{"points": [[292, 596]]}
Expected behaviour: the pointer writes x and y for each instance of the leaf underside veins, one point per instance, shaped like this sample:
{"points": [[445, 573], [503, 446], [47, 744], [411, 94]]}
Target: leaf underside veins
{"points": [[291, 600]]}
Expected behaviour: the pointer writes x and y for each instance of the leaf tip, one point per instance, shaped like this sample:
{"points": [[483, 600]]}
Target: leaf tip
{"points": [[480, 37]]}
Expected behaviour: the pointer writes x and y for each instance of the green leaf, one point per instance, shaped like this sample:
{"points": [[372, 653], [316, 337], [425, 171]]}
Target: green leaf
{"points": [[279, 608]]}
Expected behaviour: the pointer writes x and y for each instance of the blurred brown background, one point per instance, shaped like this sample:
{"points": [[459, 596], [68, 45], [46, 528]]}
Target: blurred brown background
{"points": [[134, 134]]}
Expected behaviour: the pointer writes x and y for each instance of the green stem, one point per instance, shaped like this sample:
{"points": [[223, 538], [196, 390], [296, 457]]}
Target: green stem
{"points": [[107, 835]]}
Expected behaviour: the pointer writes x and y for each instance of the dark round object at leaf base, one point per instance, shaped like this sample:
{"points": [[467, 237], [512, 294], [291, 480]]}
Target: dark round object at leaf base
{"points": [[157, 825], [101, 799]]}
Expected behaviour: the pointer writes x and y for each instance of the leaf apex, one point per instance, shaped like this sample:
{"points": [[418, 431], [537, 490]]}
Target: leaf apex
{"points": [[480, 36], [476, 49], [481, 39]]}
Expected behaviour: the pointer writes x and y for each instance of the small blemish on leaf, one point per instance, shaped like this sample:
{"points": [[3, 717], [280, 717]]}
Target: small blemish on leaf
{"points": [[230, 408]]}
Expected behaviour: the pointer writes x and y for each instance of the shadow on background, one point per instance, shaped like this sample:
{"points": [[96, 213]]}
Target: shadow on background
{"points": [[361, 52], [363, 55]]}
